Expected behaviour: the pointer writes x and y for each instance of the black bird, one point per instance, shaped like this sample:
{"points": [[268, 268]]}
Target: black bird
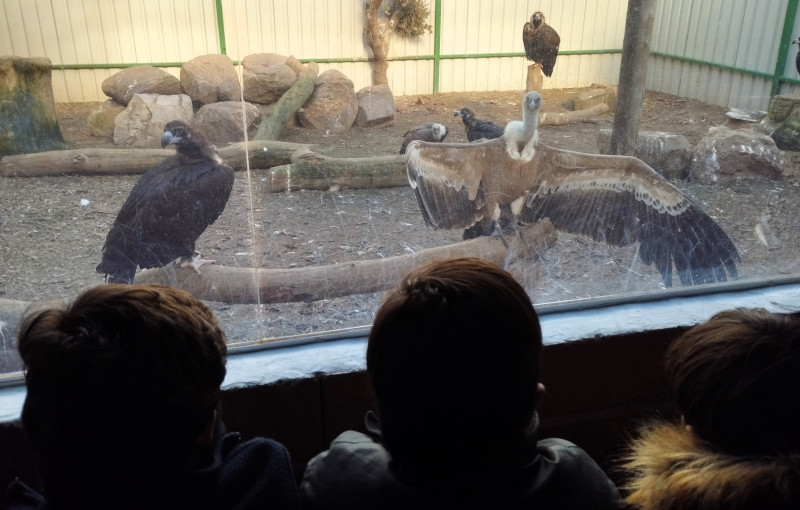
{"points": [[168, 208], [618, 200], [477, 129], [428, 132], [797, 57], [541, 43]]}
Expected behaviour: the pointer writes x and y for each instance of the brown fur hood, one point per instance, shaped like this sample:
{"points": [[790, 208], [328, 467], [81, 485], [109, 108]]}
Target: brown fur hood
{"points": [[673, 469]]}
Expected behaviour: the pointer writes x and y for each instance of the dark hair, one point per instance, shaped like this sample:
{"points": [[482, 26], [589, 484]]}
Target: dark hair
{"points": [[119, 386], [453, 358], [736, 380]]}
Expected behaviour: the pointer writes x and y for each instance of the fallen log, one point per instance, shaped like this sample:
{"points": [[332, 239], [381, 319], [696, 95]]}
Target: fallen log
{"points": [[262, 154], [558, 119], [291, 101], [309, 170], [259, 285]]}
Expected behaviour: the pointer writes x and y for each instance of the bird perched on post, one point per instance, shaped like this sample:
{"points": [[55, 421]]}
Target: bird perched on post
{"points": [[428, 132], [169, 208], [797, 56], [476, 128], [619, 200], [541, 43]]}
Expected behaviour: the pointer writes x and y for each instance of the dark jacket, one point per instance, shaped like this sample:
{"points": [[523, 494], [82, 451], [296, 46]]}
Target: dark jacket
{"points": [[673, 469], [356, 472], [237, 475]]}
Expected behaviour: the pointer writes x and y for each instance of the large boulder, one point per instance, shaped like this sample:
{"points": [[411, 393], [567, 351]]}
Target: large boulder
{"points": [[123, 85], [221, 123], [725, 155], [668, 153], [265, 77], [333, 106], [787, 135], [210, 78], [102, 120], [142, 123], [375, 106]]}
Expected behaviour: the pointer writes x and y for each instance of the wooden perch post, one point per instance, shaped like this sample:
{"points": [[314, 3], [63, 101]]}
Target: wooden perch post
{"points": [[535, 78], [291, 101], [259, 285], [262, 154], [313, 171]]}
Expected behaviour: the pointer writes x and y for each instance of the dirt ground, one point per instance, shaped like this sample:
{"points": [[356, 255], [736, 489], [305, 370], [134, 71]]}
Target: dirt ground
{"points": [[50, 243]]}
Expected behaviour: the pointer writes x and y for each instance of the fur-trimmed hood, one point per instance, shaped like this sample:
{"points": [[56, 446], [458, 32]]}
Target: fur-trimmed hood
{"points": [[671, 468]]}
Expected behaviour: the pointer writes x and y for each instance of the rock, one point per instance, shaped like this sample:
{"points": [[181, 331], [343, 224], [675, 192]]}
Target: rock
{"points": [[333, 106], [141, 124], [787, 135], [781, 106], [596, 95], [28, 121], [123, 85], [265, 77], [375, 106], [668, 153], [221, 122], [725, 155], [210, 78], [102, 120]]}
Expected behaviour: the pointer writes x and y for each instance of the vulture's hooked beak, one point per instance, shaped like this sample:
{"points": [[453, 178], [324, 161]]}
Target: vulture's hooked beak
{"points": [[168, 138]]}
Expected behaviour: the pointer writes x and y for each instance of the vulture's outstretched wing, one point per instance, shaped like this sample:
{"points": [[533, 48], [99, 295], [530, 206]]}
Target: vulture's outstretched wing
{"points": [[614, 199]]}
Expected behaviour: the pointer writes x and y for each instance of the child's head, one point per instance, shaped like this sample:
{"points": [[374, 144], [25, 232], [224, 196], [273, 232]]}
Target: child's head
{"points": [[736, 379], [453, 358]]}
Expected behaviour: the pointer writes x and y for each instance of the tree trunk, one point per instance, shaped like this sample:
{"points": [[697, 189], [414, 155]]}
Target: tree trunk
{"points": [[259, 285], [633, 69], [262, 154], [291, 101], [312, 171], [27, 107], [378, 36]]}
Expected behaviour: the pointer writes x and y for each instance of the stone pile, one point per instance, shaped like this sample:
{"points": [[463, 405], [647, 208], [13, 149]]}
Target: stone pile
{"points": [[144, 98]]}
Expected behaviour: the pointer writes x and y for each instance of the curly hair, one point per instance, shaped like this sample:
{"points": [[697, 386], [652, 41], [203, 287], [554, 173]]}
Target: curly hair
{"points": [[119, 385]]}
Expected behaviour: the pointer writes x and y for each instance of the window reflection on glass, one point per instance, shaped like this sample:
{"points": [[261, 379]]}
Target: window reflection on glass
{"points": [[321, 241]]}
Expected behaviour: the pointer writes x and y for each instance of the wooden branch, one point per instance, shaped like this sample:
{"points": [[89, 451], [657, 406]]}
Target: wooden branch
{"points": [[558, 119], [291, 101], [313, 171], [262, 154], [259, 285]]}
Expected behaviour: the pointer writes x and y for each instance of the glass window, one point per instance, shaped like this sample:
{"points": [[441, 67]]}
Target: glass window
{"points": [[323, 249]]}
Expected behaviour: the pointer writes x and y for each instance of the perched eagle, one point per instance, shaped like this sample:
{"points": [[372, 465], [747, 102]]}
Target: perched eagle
{"points": [[428, 132], [478, 129], [614, 199], [168, 208], [541, 43]]}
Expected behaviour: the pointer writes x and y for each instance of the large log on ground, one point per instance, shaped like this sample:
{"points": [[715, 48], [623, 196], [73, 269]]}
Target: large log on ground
{"points": [[291, 101], [261, 154], [313, 171], [586, 115], [259, 285]]}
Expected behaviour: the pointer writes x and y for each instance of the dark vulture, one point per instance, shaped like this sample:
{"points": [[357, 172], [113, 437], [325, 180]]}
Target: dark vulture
{"points": [[428, 132], [476, 128], [541, 43], [797, 56], [614, 199], [168, 208]]}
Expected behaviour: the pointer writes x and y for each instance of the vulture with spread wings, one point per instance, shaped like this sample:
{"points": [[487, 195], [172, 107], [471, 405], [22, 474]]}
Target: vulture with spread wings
{"points": [[169, 208], [614, 199]]}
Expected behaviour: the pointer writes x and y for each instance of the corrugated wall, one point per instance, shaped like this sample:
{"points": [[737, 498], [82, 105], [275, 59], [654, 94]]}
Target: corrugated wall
{"points": [[85, 39]]}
